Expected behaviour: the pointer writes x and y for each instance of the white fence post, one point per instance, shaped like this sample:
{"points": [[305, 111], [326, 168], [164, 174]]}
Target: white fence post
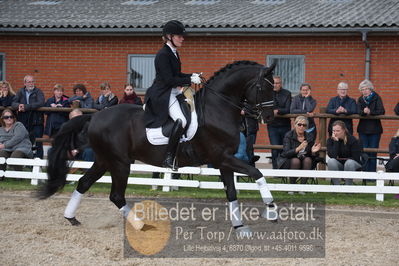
{"points": [[35, 172], [2, 161], [380, 184], [166, 176]]}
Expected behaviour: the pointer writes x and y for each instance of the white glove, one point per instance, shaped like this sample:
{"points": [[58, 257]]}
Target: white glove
{"points": [[195, 78]]}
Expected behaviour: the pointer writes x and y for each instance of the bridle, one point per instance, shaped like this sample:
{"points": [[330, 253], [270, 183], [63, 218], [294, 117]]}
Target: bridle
{"points": [[258, 108]]}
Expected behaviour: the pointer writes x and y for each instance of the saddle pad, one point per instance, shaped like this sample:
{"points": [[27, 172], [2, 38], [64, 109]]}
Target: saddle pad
{"points": [[155, 136]]}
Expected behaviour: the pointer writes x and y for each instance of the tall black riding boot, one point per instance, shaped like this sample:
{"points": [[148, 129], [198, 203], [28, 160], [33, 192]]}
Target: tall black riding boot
{"points": [[174, 139], [185, 109]]}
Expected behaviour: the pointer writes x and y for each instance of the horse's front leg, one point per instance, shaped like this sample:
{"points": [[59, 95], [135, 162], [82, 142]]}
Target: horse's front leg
{"points": [[239, 166]]}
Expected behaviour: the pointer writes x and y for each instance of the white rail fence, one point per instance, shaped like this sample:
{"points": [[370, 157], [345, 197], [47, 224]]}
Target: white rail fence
{"points": [[38, 165]]}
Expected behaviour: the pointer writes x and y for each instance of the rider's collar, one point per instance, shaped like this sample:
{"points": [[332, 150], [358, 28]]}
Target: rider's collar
{"points": [[171, 47]]}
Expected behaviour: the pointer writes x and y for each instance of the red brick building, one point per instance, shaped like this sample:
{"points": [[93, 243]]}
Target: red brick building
{"points": [[91, 42]]}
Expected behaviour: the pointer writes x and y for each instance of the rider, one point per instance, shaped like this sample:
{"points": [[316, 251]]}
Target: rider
{"points": [[164, 98]]}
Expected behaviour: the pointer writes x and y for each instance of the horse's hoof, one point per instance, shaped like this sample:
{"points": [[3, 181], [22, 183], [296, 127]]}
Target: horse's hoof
{"points": [[270, 216], [243, 232], [73, 221]]}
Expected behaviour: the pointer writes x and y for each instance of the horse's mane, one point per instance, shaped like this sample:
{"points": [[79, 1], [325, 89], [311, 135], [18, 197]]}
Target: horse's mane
{"points": [[230, 66]]}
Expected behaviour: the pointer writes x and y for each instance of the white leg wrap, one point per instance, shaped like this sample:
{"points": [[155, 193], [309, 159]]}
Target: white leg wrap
{"points": [[135, 221], [73, 205], [264, 191], [235, 213]]}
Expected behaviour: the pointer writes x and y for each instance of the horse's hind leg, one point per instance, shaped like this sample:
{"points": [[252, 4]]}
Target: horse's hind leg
{"points": [[234, 207], [120, 174], [85, 182]]}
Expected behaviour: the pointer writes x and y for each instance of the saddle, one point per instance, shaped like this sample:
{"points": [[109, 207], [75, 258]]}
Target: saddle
{"points": [[159, 136]]}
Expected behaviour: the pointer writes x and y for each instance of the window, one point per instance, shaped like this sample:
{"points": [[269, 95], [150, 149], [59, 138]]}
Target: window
{"points": [[2, 66], [141, 71], [291, 69]]}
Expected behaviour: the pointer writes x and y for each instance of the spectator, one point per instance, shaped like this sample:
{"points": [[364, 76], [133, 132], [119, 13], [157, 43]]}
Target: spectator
{"points": [[84, 153], [56, 119], [393, 163], [279, 126], [344, 151], [14, 139], [242, 147], [7, 94], [342, 105], [304, 103], [27, 100], [370, 130], [396, 110], [81, 98], [106, 98], [299, 149], [251, 126], [130, 96]]}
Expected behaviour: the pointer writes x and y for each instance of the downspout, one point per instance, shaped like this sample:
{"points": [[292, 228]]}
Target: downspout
{"points": [[368, 55]]}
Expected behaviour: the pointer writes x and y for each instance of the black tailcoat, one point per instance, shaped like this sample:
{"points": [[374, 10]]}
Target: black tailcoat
{"points": [[168, 76]]}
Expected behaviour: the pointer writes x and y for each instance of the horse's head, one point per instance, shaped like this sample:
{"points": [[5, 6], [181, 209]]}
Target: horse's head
{"points": [[260, 94]]}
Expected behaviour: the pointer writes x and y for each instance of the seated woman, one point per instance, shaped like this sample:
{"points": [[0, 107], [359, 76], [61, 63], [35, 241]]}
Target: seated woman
{"points": [[299, 149], [393, 163], [344, 151], [85, 152], [14, 139]]}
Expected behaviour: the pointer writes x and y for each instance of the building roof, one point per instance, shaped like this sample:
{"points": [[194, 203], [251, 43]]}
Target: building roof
{"points": [[199, 16]]}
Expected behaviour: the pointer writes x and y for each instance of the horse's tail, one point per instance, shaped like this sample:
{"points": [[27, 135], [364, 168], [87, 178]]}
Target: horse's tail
{"points": [[59, 154]]}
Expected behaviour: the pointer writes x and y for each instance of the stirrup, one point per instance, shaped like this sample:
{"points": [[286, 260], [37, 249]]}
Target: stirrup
{"points": [[171, 164]]}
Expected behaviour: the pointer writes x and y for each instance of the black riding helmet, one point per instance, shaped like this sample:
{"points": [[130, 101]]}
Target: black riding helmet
{"points": [[173, 27]]}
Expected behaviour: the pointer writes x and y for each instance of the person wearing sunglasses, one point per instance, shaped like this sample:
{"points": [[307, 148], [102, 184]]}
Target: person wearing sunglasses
{"points": [[299, 149], [14, 139]]}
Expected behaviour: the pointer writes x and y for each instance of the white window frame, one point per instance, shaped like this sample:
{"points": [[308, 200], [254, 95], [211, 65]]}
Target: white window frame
{"points": [[146, 71], [2, 66], [290, 82]]}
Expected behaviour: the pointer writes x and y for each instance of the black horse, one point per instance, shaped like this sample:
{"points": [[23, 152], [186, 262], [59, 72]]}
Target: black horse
{"points": [[118, 137]]}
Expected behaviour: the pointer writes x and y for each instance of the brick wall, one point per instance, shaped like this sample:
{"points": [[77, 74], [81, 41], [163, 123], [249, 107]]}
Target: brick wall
{"points": [[92, 60]]}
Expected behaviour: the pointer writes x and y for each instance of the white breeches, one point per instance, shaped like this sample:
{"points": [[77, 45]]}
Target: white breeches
{"points": [[174, 107]]}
